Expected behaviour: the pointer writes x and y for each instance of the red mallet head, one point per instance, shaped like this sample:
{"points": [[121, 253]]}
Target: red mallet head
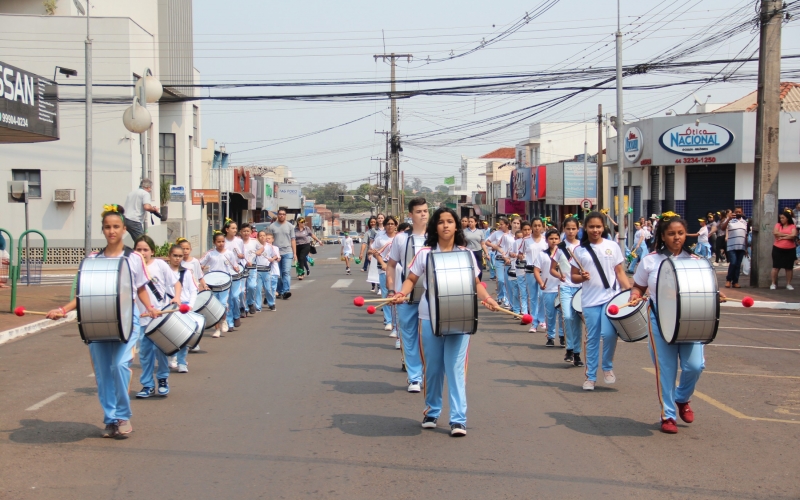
{"points": [[184, 308], [527, 319], [483, 284], [358, 301], [371, 310], [19, 311], [748, 302], [613, 309]]}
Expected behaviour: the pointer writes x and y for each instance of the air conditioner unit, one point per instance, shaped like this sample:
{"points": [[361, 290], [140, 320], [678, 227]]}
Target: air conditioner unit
{"points": [[64, 196]]}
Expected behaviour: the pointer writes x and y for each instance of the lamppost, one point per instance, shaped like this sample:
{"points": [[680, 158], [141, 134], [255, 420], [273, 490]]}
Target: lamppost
{"points": [[87, 237]]}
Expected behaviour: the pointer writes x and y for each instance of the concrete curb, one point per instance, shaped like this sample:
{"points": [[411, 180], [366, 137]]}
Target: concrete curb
{"points": [[34, 327], [789, 306]]}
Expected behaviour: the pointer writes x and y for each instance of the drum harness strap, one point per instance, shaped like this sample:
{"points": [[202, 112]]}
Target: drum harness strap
{"points": [[406, 265], [588, 247]]}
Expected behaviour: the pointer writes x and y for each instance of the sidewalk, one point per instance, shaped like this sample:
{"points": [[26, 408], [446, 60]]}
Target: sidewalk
{"points": [[35, 298]]}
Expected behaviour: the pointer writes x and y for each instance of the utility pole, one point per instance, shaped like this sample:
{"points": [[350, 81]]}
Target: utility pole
{"points": [[620, 145], [766, 167], [585, 160], [383, 180], [600, 156], [394, 163], [87, 239]]}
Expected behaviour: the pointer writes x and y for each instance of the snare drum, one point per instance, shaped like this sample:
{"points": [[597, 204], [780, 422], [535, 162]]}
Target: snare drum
{"points": [[576, 302], [245, 272], [209, 307], [452, 299], [557, 304], [218, 281], [631, 322], [104, 300], [687, 297], [262, 269], [236, 277], [521, 264], [529, 269], [198, 331], [170, 332]]}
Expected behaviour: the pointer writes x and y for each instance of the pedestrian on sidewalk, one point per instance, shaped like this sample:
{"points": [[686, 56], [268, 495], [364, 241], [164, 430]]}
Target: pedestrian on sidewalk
{"points": [[283, 232], [784, 249], [136, 204], [111, 361], [736, 228]]}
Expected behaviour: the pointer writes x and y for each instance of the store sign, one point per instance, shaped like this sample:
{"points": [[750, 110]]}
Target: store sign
{"points": [[696, 140], [521, 184], [28, 106], [177, 193], [205, 196], [290, 196], [633, 144]]}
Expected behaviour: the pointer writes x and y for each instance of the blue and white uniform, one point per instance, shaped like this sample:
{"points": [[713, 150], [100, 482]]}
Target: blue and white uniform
{"points": [[268, 275], [444, 356], [690, 357], [250, 249], [520, 303], [548, 296], [567, 289], [499, 238], [162, 280], [112, 360], [237, 287], [407, 312], [223, 262], [189, 289], [594, 297], [383, 244], [532, 250]]}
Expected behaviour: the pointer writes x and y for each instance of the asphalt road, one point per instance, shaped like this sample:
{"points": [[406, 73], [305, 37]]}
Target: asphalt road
{"points": [[309, 401]]}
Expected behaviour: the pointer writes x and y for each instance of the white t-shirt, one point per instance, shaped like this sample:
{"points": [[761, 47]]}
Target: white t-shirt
{"points": [[564, 266], [194, 266], [550, 282], [189, 287], [647, 271], [640, 238], [383, 243], [702, 235], [610, 256], [538, 246], [223, 262], [163, 279], [236, 245], [496, 237], [250, 248], [397, 252], [418, 266], [347, 246], [139, 275], [134, 204]]}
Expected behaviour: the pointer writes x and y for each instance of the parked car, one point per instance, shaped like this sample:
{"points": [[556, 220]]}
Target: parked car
{"points": [[260, 226], [356, 238], [331, 240]]}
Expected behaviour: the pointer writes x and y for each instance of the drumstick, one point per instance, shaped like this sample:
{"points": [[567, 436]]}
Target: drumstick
{"points": [[359, 301], [747, 301], [183, 309], [21, 311], [526, 318]]}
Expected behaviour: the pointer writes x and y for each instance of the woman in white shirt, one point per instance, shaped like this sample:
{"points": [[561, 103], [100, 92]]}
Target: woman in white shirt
{"points": [[235, 245], [189, 290], [191, 263], [537, 243], [670, 244], [445, 355], [221, 260], [561, 269], [162, 280], [549, 288], [380, 251], [602, 275]]}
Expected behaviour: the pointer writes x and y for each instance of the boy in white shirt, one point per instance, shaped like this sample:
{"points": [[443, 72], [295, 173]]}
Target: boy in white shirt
{"points": [[347, 251]]}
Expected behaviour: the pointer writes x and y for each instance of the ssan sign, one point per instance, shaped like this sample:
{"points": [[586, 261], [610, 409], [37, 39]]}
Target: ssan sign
{"points": [[696, 140], [28, 106]]}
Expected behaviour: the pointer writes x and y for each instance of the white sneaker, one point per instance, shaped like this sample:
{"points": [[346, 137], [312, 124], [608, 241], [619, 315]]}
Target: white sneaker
{"points": [[609, 377], [173, 362], [773, 287], [183, 369], [388, 327], [225, 327], [397, 344], [393, 335], [195, 348], [588, 385], [789, 287], [414, 387], [543, 326], [532, 329], [217, 333], [716, 264]]}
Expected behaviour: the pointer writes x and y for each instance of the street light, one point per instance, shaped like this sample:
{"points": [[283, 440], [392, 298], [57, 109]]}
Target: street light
{"points": [[64, 71], [136, 118], [671, 112]]}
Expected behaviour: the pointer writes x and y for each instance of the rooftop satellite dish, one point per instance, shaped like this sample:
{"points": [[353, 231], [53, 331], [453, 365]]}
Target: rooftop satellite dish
{"points": [[79, 7]]}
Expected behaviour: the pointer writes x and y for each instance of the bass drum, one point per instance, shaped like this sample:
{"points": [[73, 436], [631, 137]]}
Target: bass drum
{"points": [[104, 300], [576, 302], [631, 322], [452, 299], [687, 301]]}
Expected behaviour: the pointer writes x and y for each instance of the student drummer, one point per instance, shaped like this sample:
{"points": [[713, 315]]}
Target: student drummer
{"points": [[111, 360]]}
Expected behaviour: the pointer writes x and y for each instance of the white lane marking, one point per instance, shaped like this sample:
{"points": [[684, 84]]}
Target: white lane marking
{"points": [[90, 375], [331, 258], [45, 401], [342, 284], [754, 347], [758, 304], [759, 329], [762, 315]]}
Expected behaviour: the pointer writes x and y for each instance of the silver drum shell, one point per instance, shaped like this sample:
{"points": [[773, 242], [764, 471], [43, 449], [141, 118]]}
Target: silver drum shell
{"points": [[104, 300], [452, 299], [170, 332], [631, 323], [687, 301], [208, 306]]}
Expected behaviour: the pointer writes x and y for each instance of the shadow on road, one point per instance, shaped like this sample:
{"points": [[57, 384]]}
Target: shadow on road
{"points": [[365, 345], [367, 368], [529, 364], [603, 426], [36, 431], [376, 425], [556, 385], [89, 391], [363, 387]]}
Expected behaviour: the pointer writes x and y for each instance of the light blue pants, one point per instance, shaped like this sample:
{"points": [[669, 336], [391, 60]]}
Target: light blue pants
{"points": [[285, 280], [666, 358], [598, 325], [552, 314], [408, 319], [572, 320], [387, 311], [181, 356], [445, 356], [501, 281], [234, 295], [534, 299], [223, 298], [112, 372], [491, 263], [252, 284], [522, 291], [703, 250], [513, 292], [640, 253], [148, 356], [268, 282]]}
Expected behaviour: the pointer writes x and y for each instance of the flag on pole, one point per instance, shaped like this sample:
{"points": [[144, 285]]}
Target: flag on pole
{"points": [[449, 181]]}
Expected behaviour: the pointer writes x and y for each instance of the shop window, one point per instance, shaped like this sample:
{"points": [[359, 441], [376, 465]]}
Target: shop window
{"points": [[34, 178], [166, 157]]}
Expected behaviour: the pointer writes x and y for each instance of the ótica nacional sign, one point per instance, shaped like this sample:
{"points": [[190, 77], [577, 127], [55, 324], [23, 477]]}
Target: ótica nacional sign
{"points": [[696, 139]]}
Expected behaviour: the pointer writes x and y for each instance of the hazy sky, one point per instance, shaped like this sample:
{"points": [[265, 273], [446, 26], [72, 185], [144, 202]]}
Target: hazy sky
{"points": [[245, 41]]}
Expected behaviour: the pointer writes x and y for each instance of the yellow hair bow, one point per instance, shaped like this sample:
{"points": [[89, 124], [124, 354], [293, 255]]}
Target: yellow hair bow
{"points": [[180, 240], [227, 219], [110, 208], [669, 215], [217, 231], [604, 211]]}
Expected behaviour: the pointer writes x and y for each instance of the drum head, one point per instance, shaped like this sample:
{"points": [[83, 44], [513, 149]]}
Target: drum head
{"points": [[125, 300], [433, 305], [576, 301], [619, 300], [217, 279], [668, 307]]}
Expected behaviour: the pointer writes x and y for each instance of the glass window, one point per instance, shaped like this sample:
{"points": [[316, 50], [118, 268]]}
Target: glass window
{"points": [[34, 178], [195, 124], [166, 157]]}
